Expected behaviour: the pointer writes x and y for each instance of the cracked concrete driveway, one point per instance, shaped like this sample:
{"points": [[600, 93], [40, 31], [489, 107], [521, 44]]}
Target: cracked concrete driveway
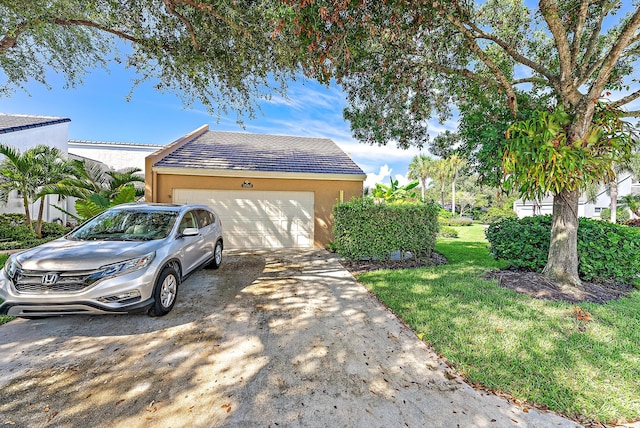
{"points": [[284, 338]]}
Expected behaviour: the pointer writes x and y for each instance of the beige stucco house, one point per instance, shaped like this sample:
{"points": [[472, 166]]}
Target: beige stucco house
{"points": [[271, 191]]}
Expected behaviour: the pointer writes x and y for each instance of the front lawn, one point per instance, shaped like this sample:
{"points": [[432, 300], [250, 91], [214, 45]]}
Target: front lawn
{"points": [[535, 351]]}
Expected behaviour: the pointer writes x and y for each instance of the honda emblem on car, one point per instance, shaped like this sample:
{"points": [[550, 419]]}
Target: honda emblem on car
{"points": [[50, 278]]}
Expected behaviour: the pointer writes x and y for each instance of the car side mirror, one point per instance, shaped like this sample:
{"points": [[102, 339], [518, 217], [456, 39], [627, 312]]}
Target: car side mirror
{"points": [[189, 231]]}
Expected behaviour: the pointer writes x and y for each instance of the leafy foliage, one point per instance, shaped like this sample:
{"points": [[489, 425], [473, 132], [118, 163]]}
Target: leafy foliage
{"points": [[540, 159], [456, 221], [622, 215], [15, 234], [495, 214], [394, 192], [364, 229], [447, 232], [223, 54], [606, 251]]}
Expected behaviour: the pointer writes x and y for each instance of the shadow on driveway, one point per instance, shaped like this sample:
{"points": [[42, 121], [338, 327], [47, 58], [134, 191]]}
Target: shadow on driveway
{"points": [[284, 338]]}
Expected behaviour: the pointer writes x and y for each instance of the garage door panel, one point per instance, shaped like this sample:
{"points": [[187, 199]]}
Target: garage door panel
{"points": [[259, 219]]}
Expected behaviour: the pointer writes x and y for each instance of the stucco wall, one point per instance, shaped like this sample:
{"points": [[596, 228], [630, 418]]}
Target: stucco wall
{"points": [[327, 193]]}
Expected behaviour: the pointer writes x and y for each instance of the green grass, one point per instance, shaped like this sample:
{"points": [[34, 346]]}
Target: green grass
{"points": [[4, 318], [534, 350]]}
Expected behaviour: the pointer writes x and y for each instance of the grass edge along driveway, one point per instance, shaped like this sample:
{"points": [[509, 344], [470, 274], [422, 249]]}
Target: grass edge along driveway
{"points": [[536, 351], [4, 318]]}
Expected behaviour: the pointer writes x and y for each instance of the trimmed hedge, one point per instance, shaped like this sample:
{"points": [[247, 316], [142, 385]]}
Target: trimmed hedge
{"points": [[605, 251], [365, 230], [495, 214]]}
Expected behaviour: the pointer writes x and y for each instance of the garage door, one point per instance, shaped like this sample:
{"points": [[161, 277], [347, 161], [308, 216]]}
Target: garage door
{"points": [[258, 219]]}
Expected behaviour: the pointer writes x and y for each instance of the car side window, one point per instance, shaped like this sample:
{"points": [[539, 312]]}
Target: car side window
{"points": [[189, 220], [204, 219]]}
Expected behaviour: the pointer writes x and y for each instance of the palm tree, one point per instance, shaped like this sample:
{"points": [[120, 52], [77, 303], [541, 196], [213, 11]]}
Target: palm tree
{"points": [[98, 188], [420, 169], [52, 167], [440, 171], [19, 171], [455, 164]]}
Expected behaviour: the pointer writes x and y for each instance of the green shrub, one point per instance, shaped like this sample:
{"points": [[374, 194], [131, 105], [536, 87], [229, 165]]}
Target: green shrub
{"points": [[455, 221], [14, 232], [605, 251], [363, 229], [442, 213], [447, 232], [3, 259], [495, 214], [53, 229], [13, 227], [622, 214]]}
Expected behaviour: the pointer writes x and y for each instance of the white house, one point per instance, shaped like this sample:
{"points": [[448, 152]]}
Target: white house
{"points": [[626, 186], [24, 132]]}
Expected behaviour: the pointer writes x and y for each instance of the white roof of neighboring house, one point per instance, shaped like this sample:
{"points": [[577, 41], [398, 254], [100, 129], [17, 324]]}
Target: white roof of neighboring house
{"points": [[20, 122]]}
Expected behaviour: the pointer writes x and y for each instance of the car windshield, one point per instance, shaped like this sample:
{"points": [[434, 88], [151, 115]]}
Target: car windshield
{"points": [[127, 225]]}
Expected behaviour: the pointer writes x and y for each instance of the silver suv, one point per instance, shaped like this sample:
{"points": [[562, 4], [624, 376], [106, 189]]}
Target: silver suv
{"points": [[130, 258]]}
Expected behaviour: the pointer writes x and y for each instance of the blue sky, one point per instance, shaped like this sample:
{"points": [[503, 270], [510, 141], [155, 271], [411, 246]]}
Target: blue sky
{"points": [[99, 111]]}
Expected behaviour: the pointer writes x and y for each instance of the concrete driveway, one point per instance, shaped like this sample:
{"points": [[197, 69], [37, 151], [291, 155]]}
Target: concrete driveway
{"points": [[272, 339]]}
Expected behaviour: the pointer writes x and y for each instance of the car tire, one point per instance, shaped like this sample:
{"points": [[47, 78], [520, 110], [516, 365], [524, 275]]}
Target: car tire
{"points": [[165, 292], [217, 256]]}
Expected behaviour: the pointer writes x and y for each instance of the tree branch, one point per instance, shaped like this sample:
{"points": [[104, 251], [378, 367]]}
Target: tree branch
{"points": [[511, 52], [91, 24], [10, 39], [583, 74], [577, 32], [634, 113], [170, 5], [611, 57], [473, 45], [626, 100], [537, 80], [549, 10]]}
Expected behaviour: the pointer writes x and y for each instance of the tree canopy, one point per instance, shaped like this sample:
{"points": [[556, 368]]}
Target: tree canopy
{"points": [[222, 54]]}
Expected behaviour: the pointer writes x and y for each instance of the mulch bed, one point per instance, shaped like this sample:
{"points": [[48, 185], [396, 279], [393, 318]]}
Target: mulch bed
{"points": [[535, 285], [531, 283], [363, 266]]}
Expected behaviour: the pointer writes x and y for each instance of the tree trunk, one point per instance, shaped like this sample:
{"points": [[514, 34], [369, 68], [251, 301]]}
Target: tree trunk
{"points": [[27, 214], [39, 222], [453, 196], [613, 191], [562, 263], [423, 182], [442, 195]]}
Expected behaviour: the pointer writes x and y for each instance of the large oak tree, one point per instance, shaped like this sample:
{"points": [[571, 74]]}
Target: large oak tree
{"points": [[404, 62]]}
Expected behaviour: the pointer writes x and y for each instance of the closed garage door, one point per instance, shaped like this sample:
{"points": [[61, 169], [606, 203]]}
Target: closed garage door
{"points": [[258, 219]]}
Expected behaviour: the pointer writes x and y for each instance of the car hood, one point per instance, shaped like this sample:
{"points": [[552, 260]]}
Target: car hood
{"points": [[64, 254]]}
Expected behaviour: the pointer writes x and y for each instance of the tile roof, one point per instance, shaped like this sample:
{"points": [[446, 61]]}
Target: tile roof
{"points": [[20, 122], [266, 153]]}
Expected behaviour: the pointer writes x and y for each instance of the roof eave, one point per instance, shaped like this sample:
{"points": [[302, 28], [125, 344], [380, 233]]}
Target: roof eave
{"points": [[242, 173]]}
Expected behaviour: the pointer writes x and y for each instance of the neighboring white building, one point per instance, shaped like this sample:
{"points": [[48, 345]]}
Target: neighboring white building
{"points": [[24, 132], [626, 186], [116, 156]]}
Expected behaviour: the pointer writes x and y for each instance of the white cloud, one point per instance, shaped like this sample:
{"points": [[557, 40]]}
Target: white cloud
{"points": [[382, 176]]}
